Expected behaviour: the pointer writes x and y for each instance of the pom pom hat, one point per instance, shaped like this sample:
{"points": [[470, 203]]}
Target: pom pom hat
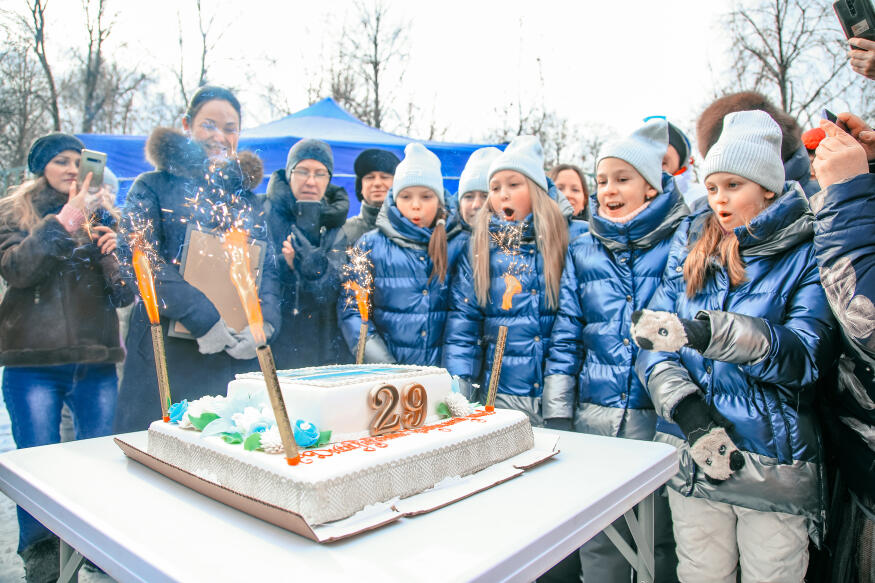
{"points": [[420, 167], [524, 155], [475, 176], [749, 146], [644, 150]]}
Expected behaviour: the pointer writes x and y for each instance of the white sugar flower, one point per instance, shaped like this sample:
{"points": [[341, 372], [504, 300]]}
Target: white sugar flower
{"points": [[271, 442], [457, 404]]}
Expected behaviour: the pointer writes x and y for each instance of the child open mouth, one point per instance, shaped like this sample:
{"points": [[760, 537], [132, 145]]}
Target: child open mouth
{"points": [[616, 205], [508, 213]]}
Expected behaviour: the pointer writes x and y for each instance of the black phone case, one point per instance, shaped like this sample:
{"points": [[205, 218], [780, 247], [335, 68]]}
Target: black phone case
{"points": [[857, 18]]}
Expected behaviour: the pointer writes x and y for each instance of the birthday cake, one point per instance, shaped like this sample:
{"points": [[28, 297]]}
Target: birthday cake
{"points": [[367, 434]]}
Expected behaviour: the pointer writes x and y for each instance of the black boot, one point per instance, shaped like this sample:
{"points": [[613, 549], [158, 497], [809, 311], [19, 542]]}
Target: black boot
{"points": [[42, 561]]}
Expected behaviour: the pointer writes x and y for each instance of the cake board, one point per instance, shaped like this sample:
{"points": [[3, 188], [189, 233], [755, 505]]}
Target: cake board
{"points": [[442, 494]]}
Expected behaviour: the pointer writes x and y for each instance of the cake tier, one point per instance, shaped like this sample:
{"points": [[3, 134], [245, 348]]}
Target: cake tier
{"points": [[340, 479], [335, 398]]}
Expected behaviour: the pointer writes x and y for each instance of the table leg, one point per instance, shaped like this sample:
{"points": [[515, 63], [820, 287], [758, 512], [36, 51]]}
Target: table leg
{"points": [[71, 561], [641, 527]]}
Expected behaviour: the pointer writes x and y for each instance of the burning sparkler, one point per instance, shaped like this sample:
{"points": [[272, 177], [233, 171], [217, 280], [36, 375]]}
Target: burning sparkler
{"points": [[146, 284], [236, 245], [359, 269]]}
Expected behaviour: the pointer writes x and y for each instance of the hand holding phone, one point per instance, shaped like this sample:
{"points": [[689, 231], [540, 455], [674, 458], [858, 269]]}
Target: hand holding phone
{"points": [[831, 117]]}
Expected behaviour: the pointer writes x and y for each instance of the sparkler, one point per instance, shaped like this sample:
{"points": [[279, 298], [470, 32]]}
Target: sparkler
{"points": [[359, 269], [236, 245], [146, 284], [508, 239]]}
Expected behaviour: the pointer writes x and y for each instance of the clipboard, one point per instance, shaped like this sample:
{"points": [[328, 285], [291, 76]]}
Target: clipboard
{"points": [[206, 266]]}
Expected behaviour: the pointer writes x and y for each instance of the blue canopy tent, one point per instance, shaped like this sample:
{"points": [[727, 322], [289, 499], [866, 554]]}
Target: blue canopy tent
{"points": [[324, 120]]}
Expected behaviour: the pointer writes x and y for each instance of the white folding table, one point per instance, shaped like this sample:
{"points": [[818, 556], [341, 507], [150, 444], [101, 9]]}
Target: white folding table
{"points": [[138, 525]]}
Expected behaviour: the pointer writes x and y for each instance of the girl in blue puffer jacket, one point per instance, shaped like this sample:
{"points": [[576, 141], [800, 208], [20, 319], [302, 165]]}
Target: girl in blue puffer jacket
{"points": [[742, 333], [413, 249], [591, 385], [518, 203]]}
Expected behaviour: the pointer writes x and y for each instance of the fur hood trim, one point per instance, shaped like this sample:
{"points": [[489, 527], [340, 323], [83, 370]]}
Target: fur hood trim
{"points": [[169, 150]]}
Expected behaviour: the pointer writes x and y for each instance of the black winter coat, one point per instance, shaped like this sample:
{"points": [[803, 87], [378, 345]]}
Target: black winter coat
{"points": [[310, 335], [160, 206]]}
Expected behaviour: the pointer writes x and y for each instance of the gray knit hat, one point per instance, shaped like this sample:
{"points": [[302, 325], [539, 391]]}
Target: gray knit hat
{"points": [[749, 146], [310, 149], [475, 176], [644, 149], [525, 155], [420, 167]]}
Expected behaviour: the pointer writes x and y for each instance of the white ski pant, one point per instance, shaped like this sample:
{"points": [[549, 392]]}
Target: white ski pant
{"points": [[715, 539]]}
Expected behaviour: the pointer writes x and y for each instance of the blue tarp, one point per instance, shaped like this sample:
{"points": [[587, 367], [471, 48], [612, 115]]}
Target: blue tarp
{"points": [[324, 120]]}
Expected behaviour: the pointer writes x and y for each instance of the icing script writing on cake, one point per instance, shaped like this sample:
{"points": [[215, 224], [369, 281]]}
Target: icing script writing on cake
{"points": [[381, 441], [386, 398]]}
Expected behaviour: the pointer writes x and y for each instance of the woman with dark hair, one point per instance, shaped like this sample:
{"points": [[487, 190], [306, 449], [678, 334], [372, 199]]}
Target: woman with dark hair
{"points": [[571, 182], [200, 182], [59, 336]]}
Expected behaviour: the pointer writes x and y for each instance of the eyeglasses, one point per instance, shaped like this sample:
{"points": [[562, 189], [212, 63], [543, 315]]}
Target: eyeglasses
{"points": [[302, 174], [212, 127]]}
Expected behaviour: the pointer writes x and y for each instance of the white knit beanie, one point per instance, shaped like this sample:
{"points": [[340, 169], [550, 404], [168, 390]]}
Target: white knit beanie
{"points": [[644, 149], [749, 146], [420, 167], [525, 155], [475, 176]]}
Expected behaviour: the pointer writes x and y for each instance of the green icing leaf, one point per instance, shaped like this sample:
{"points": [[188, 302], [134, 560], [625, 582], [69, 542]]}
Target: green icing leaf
{"points": [[324, 437], [232, 438], [443, 410], [203, 420], [252, 442]]}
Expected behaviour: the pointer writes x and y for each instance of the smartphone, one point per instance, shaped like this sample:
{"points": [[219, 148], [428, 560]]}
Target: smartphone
{"points": [[857, 18], [93, 162], [830, 116]]}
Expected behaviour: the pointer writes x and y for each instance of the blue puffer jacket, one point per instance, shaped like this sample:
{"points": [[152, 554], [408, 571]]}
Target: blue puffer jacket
{"points": [[798, 168], [844, 239], [470, 327], [408, 310], [609, 273], [771, 338]]}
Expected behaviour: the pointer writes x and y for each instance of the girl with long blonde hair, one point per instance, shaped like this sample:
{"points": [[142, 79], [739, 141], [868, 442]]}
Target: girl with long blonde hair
{"points": [[522, 232], [59, 332]]}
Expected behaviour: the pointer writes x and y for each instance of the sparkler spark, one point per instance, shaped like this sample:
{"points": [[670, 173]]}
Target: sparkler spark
{"points": [[359, 279], [508, 239], [236, 245]]}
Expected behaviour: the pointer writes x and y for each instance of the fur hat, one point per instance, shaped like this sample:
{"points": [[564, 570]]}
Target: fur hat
{"points": [[373, 160], [644, 149], [309, 149], [710, 122], [44, 148], [420, 167], [749, 146], [525, 155], [475, 176]]}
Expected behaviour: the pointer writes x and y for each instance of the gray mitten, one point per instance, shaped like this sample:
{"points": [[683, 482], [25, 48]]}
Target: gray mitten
{"points": [[216, 339], [245, 347], [665, 332], [560, 423], [710, 444], [376, 351]]}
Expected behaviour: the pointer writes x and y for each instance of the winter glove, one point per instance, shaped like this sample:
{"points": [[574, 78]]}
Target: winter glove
{"points": [[559, 423], [311, 260], [216, 339], [245, 347], [665, 332], [376, 351], [465, 387], [710, 445]]}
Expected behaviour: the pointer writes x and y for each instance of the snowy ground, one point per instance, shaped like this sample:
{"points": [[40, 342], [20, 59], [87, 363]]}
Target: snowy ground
{"points": [[11, 567]]}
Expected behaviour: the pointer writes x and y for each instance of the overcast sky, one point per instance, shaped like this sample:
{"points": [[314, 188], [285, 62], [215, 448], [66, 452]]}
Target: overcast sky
{"points": [[612, 62]]}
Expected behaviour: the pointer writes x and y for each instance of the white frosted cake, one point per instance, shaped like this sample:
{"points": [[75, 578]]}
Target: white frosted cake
{"points": [[368, 434]]}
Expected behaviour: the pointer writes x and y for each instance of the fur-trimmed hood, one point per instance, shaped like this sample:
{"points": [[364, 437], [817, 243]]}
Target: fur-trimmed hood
{"points": [[170, 150]]}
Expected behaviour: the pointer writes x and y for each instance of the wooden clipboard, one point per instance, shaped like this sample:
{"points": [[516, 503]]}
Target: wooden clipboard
{"points": [[206, 266]]}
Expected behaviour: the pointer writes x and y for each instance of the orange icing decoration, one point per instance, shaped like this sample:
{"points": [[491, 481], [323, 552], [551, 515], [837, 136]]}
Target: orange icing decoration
{"points": [[512, 286], [146, 283], [361, 298], [380, 441], [236, 244]]}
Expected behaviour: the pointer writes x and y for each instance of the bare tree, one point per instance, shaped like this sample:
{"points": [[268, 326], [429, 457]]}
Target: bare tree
{"points": [[791, 50], [23, 115], [38, 18], [208, 39]]}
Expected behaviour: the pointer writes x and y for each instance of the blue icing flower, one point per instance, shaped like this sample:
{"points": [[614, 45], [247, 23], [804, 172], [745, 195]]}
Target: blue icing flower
{"points": [[306, 434], [177, 411]]}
